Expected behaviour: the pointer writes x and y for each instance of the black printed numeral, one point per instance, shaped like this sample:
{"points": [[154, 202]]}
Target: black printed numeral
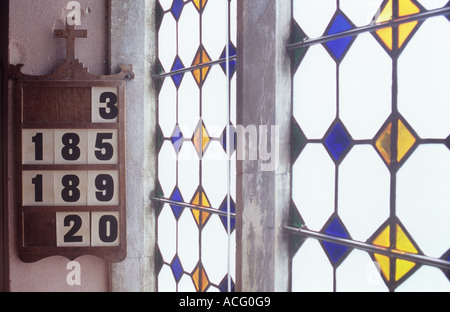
{"points": [[108, 228], [104, 184], [38, 146], [71, 151], [70, 192], [75, 222], [37, 182], [111, 111], [105, 151]]}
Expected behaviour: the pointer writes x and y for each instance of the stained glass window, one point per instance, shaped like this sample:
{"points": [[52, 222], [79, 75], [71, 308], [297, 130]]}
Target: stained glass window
{"points": [[370, 145], [196, 82]]}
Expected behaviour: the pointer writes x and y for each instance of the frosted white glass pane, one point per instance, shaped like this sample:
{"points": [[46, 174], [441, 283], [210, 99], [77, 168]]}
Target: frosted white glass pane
{"points": [[167, 167], [313, 184], [188, 171], [214, 104], [166, 4], [214, 28], [214, 250], [364, 192], [433, 4], [315, 93], [423, 198], [233, 256], [186, 284], [214, 173], [426, 279], [167, 230], [314, 16], [188, 33], [188, 106], [358, 273], [233, 97], [167, 108], [361, 13], [424, 79], [188, 247], [212, 289], [365, 87], [167, 42], [233, 175], [166, 281], [311, 270], [233, 21]]}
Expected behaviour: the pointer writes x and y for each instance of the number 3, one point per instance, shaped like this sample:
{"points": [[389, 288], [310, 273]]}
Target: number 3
{"points": [[110, 111]]}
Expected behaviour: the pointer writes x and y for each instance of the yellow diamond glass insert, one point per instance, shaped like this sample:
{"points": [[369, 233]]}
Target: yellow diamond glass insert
{"points": [[405, 8], [200, 58], [201, 139], [405, 141], [200, 279], [200, 200], [402, 244]]}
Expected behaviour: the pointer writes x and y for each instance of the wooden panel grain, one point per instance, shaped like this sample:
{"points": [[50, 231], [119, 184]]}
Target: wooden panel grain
{"points": [[55, 104], [39, 229]]}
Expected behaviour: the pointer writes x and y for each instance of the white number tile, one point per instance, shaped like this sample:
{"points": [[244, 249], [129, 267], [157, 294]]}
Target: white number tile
{"points": [[71, 188], [97, 105], [37, 143], [99, 142], [103, 188], [71, 146], [37, 188], [105, 231], [73, 229]]}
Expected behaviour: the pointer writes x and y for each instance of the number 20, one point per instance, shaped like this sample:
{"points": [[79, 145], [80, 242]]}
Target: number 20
{"points": [[105, 230], [108, 227]]}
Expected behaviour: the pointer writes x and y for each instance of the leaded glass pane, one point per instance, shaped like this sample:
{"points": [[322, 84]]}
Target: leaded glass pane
{"points": [[370, 145], [196, 179]]}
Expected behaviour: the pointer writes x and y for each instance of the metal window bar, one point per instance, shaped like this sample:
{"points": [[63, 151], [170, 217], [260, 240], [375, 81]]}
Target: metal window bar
{"points": [[369, 28], [422, 259], [194, 207], [196, 67]]}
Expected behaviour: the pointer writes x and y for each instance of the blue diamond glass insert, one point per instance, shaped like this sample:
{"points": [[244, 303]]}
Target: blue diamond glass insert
{"points": [[176, 196], [224, 285], [177, 7], [232, 63], [337, 141], [177, 65], [177, 269], [335, 251], [177, 139], [338, 46], [224, 219]]}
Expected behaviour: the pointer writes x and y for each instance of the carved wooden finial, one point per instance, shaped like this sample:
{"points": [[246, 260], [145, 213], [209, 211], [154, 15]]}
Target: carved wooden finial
{"points": [[70, 33]]}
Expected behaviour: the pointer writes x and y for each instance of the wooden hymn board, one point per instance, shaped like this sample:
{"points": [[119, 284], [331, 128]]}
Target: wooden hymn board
{"points": [[70, 172]]}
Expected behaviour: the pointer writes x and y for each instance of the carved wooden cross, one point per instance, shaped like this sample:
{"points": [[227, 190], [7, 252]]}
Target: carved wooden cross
{"points": [[70, 34]]}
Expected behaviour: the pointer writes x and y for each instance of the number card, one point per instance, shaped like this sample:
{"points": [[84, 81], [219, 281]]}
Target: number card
{"points": [[71, 188]]}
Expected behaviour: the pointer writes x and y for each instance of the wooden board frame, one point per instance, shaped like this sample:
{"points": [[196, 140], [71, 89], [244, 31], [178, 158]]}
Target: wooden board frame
{"points": [[63, 102], [34, 253]]}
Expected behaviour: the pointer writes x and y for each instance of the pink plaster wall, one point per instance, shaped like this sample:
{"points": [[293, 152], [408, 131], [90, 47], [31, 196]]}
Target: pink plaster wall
{"points": [[31, 34], [31, 42]]}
